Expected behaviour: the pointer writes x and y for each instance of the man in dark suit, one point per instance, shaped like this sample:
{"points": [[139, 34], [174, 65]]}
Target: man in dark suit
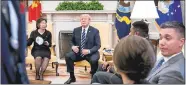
{"points": [[85, 46]]}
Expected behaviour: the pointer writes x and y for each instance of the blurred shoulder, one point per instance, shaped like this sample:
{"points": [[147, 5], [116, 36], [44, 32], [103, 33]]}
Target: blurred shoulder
{"points": [[93, 28]]}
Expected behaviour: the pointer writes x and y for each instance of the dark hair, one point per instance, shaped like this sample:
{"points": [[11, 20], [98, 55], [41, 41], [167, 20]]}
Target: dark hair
{"points": [[39, 21], [134, 56], [142, 28], [178, 27]]}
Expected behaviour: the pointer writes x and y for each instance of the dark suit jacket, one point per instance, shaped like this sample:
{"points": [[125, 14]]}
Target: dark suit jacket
{"points": [[13, 61], [92, 42]]}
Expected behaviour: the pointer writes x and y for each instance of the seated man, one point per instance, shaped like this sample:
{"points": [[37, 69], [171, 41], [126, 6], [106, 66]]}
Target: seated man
{"points": [[85, 46], [139, 28], [170, 68]]}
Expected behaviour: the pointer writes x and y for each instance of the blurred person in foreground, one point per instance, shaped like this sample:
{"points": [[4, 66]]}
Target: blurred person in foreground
{"points": [[13, 42]]}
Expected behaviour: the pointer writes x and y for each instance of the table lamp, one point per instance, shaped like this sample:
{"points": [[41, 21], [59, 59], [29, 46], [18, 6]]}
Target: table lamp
{"points": [[146, 10]]}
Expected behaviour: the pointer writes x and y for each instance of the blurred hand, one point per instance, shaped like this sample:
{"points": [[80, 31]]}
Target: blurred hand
{"points": [[108, 68], [110, 63], [104, 65], [46, 43], [75, 49], [85, 51]]}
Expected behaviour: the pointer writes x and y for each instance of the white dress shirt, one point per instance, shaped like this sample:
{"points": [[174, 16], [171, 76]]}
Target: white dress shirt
{"points": [[86, 30], [14, 26], [168, 58]]}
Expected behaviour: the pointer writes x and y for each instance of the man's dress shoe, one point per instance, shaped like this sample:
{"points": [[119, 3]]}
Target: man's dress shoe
{"points": [[70, 80]]}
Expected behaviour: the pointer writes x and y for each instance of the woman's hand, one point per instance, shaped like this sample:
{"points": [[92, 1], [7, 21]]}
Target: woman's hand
{"points": [[46, 43]]}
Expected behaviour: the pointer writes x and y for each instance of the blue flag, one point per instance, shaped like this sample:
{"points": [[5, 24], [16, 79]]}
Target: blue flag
{"points": [[169, 11], [123, 22]]}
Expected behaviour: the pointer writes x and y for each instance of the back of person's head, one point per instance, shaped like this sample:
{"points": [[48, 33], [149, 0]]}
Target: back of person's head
{"points": [[178, 27], [134, 56], [39, 21], [141, 28]]}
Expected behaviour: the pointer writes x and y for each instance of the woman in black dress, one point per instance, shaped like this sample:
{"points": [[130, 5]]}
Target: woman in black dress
{"points": [[40, 51]]}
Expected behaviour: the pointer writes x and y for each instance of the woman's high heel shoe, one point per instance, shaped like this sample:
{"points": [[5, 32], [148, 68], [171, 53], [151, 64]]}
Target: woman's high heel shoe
{"points": [[37, 77], [41, 77]]}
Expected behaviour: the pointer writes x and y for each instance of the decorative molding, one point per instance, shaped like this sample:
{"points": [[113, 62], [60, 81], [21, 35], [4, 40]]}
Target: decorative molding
{"points": [[80, 11]]}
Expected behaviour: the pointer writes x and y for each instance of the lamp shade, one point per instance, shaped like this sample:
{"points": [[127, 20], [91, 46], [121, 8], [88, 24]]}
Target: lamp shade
{"points": [[144, 10]]}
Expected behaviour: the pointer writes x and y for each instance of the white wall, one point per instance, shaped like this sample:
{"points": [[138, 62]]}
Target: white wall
{"points": [[108, 5]]}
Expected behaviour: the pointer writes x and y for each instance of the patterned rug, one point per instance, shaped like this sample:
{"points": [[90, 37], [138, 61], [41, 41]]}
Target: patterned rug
{"points": [[79, 71]]}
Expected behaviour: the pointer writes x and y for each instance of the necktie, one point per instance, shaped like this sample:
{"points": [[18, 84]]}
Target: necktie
{"points": [[83, 42], [158, 65]]}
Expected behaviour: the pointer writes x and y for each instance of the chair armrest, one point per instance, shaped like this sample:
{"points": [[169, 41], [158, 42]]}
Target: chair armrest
{"points": [[101, 61], [29, 47]]}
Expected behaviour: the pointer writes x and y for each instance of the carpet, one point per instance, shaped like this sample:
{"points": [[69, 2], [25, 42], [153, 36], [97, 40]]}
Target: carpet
{"points": [[79, 71], [39, 82]]}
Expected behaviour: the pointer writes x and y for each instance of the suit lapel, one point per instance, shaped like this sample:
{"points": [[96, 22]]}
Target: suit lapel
{"points": [[79, 31], [158, 70], [169, 62], [88, 34]]}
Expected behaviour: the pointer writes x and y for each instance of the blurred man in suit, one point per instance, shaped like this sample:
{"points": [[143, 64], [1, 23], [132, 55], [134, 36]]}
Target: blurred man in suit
{"points": [[170, 69], [85, 46], [13, 35]]}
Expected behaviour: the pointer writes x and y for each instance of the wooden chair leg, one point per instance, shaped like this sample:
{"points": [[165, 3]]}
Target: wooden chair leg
{"points": [[57, 74], [30, 66], [52, 64], [85, 68]]}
